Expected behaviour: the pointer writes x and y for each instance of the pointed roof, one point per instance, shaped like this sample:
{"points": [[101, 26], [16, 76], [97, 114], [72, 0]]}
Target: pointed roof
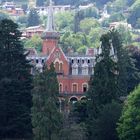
{"points": [[50, 21], [50, 32]]}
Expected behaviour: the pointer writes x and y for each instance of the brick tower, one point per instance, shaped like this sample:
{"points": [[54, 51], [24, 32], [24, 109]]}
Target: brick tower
{"points": [[50, 36]]}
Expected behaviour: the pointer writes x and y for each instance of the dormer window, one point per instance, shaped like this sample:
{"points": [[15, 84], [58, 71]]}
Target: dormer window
{"points": [[74, 69], [36, 60], [42, 60], [72, 61], [85, 68], [78, 60]]}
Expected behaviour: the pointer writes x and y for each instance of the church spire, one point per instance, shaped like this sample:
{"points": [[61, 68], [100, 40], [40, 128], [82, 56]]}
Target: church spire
{"points": [[50, 20]]}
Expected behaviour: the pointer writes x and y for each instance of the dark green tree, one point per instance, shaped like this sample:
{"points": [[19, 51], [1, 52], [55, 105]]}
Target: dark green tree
{"points": [[128, 74], [105, 125], [15, 84], [3, 16], [134, 15], [33, 18], [129, 123], [113, 73], [79, 111], [102, 85], [39, 2], [46, 118]]}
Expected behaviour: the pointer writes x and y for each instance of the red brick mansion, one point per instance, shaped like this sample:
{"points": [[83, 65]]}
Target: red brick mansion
{"points": [[73, 71]]}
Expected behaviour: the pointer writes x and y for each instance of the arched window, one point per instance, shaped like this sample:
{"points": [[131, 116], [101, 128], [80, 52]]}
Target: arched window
{"points": [[57, 66], [60, 88], [61, 67], [85, 87], [74, 87]]}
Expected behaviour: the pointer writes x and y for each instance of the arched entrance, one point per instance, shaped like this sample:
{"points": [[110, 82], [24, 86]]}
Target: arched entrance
{"points": [[73, 99]]}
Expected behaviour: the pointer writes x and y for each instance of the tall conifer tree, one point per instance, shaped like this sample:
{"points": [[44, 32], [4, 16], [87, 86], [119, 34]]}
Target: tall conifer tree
{"points": [[46, 118], [102, 85], [15, 84], [112, 75], [128, 75]]}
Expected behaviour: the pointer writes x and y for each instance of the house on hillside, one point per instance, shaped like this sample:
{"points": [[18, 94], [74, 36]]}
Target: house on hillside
{"points": [[73, 71]]}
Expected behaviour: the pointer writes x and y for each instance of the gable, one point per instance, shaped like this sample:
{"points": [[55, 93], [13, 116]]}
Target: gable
{"points": [[57, 55]]}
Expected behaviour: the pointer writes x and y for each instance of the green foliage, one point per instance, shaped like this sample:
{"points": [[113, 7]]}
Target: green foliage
{"points": [[134, 15], [22, 20], [69, 2], [87, 24], [74, 132], [113, 74], [3, 16], [104, 76], [89, 12], [125, 35], [46, 118], [73, 41], [129, 123], [64, 20], [79, 111], [40, 2], [33, 18], [116, 17], [120, 5], [102, 85], [104, 127], [125, 66], [134, 74], [94, 36], [15, 85], [34, 42]]}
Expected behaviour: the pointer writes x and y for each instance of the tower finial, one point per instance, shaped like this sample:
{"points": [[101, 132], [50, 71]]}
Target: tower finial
{"points": [[50, 20]]}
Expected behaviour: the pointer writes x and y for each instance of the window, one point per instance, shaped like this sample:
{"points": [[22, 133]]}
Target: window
{"points": [[75, 89], [61, 67], [85, 87], [66, 89], [78, 60], [72, 61], [74, 71], [85, 71], [42, 60], [60, 88], [36, 60], [57, 66]]}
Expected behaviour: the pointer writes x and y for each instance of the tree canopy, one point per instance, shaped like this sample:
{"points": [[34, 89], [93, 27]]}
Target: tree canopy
{"points": [[129, 123], [46, 118], [15, 84]]}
